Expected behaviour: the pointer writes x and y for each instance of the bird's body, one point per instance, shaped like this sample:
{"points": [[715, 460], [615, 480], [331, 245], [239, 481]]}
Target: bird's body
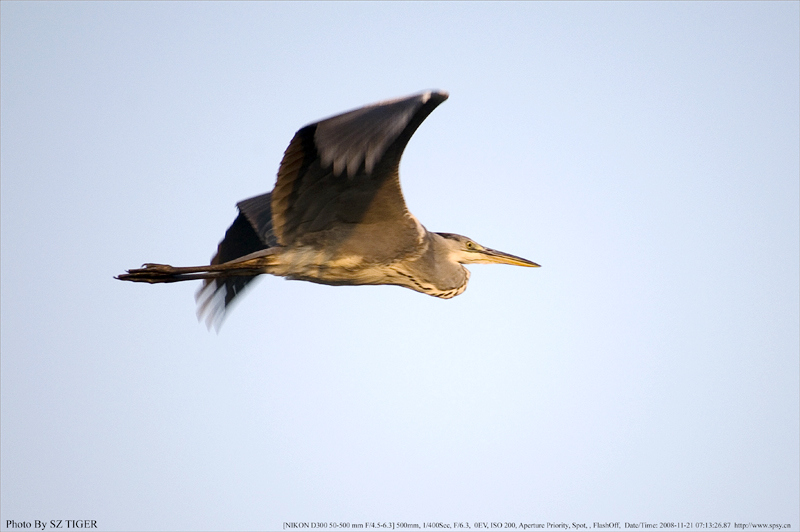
{"points": [[418, 270], [337, 216]]}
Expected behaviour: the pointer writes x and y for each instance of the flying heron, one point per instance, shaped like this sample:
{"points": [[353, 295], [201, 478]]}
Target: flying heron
{"points": [[337, 216]]}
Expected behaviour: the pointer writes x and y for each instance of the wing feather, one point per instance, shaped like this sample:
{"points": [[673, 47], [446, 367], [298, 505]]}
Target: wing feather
{"points": [[250, 232], [342, 172]]}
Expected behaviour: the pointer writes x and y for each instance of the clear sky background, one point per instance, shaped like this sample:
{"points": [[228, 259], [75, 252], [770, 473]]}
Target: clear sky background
{"points": [[645, 154]]}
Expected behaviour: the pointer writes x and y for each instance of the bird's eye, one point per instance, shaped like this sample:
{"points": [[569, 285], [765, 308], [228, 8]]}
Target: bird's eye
{"points": [[471, 245]]}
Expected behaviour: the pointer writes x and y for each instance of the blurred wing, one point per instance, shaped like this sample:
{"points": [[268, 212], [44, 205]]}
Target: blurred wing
{"points": [[338, 187], [250, 232]]}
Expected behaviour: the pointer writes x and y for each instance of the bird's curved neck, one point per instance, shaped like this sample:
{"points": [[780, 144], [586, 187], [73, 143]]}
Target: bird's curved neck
{"points": [[435, 272]]}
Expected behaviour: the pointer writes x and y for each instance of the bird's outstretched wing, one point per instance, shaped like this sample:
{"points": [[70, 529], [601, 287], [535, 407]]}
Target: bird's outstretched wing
{"points": [[250, 232], [338, 187]]}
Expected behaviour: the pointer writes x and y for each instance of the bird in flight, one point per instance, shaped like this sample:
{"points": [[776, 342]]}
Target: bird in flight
{"points": [[337, 216]]}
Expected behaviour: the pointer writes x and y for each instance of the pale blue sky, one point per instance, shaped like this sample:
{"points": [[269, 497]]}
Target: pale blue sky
{"points": [[646, 154]]}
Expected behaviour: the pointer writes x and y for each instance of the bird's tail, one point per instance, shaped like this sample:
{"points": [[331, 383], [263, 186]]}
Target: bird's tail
{"points": [[249, 265]]}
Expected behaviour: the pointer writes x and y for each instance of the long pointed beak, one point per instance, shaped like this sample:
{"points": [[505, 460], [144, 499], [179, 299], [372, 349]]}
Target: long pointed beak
{"points": [[498, 257]]}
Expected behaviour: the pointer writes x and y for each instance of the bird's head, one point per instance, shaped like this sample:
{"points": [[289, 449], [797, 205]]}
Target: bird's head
{"points": [[467, 251]]}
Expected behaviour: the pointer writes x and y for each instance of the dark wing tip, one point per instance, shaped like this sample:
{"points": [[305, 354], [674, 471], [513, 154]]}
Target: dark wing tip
{"points": [[436, 95], [362, 136]]}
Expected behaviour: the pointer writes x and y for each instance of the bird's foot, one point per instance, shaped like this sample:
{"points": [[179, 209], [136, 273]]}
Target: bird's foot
{"points": [[152, 267], [149, 273]]}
